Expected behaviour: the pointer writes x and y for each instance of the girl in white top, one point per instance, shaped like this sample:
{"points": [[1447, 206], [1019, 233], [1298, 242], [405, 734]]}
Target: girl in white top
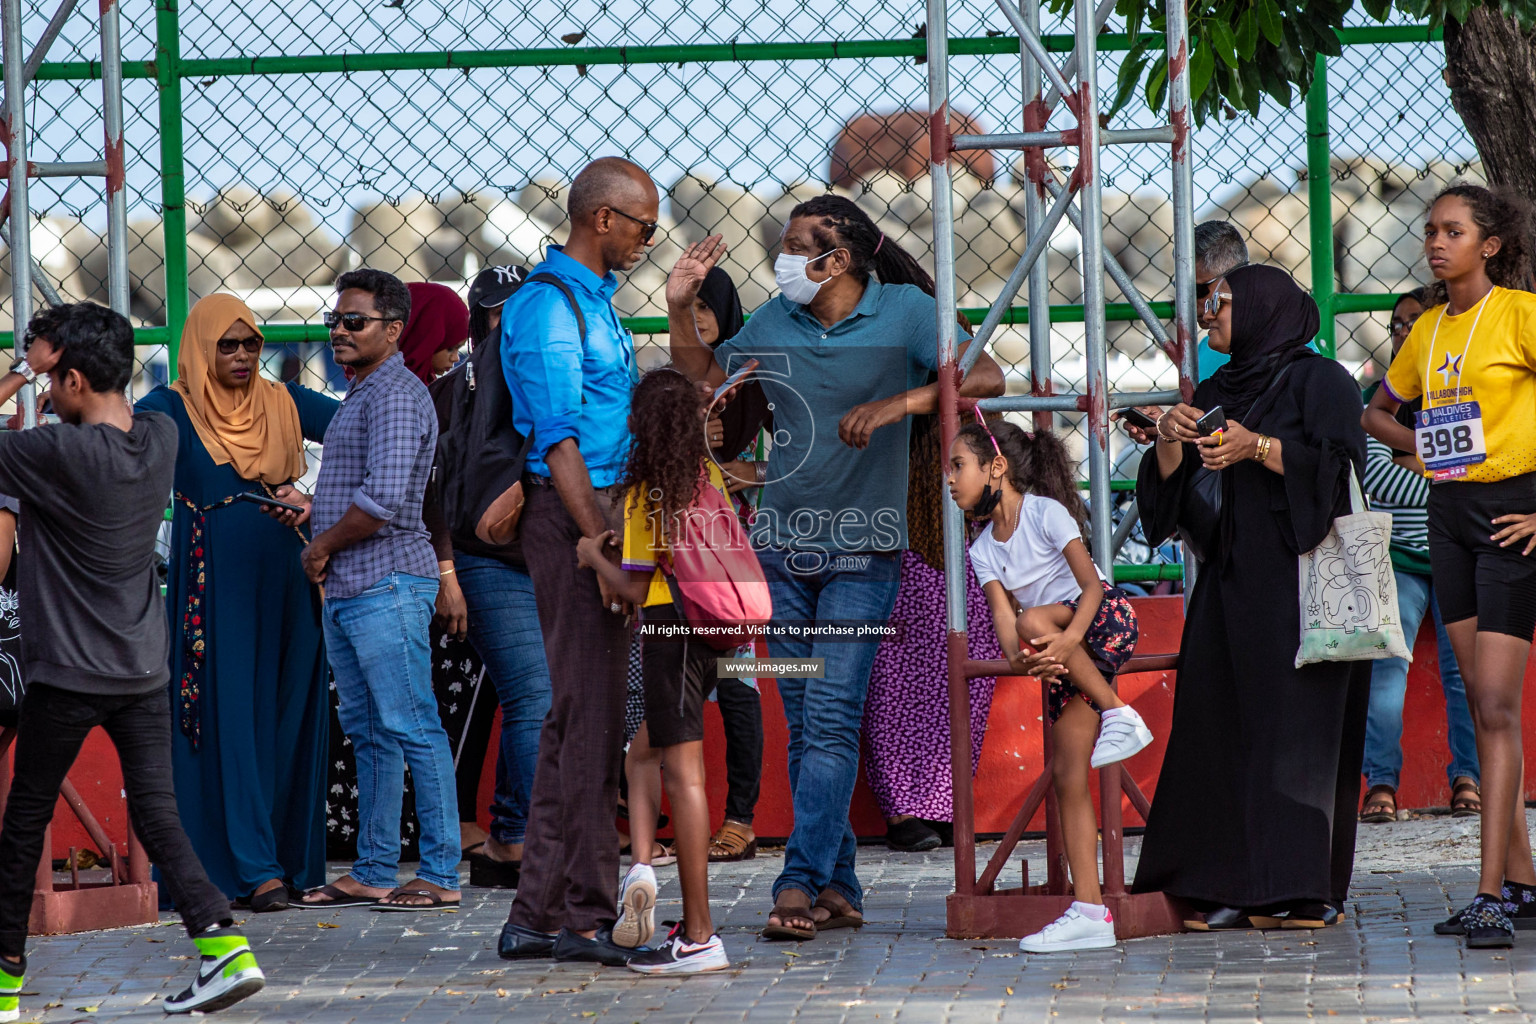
{"points": [[1056, 619]]}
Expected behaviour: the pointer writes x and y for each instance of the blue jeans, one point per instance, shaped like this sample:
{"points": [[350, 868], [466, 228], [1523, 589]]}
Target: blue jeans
{"points": [[825, 715], [504, 628], [381, 659], [1389, 688]]}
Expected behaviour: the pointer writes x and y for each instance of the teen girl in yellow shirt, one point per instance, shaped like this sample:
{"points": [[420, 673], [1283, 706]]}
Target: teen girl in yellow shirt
{"points": [[1473, 360]]}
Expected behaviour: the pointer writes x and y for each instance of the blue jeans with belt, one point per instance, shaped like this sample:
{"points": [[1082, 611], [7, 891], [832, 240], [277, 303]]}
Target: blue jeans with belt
{"points": [[381, 659], [1389, 689], [826, 714], [504, 629]]}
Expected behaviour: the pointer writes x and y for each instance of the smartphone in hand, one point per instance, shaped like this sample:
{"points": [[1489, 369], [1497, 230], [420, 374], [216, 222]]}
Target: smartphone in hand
{"points": [[1138, 419], [1212, 423], [262, 499]]}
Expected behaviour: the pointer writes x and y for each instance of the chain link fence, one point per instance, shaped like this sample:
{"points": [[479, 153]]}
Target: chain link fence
{"points": [[444, 139]]}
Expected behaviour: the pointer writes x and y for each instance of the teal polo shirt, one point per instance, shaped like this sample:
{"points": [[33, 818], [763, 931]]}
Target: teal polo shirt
{"points": [[823, 495]]}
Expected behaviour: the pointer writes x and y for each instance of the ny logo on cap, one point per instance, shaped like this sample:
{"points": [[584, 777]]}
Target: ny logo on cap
{"points": [[508, 274]]}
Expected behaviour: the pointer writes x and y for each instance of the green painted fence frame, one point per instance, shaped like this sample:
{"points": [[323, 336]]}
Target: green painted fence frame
{"points": [[168, 70]]}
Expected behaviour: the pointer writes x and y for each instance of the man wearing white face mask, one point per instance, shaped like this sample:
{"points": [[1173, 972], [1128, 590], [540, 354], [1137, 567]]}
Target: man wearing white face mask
{"points": [[848, 352]]}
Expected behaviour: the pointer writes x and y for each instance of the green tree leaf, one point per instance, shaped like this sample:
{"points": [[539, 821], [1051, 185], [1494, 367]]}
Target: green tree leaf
{"points": [[1201, 66], [1269, 21], [1224, 41], [1156, 90], [1247, 36]]}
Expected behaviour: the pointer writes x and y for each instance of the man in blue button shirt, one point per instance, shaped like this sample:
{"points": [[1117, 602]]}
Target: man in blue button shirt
{"points": [[847, 354], [571, 396]]}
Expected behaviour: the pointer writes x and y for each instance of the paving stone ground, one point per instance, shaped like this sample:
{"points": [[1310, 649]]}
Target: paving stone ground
{"points": [[1383, 964]]}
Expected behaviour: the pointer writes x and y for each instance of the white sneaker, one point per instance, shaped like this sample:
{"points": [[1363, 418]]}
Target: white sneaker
{"points": [[637, 908], [1121, 734], [679, 956], [1070, 932]]}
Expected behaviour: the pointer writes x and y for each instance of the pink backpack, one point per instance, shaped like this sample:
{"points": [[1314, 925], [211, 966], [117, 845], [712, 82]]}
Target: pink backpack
{"points": [[716, 572]]}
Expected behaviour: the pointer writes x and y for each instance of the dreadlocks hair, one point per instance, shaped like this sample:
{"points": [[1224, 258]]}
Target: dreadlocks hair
{"points": [[845, 226], [1505, 215], [667, 447], [1038, 462]]}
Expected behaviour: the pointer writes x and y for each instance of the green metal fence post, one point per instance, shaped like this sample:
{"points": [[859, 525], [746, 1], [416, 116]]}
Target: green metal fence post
{"points": [[173, 194], [1320, 202]]}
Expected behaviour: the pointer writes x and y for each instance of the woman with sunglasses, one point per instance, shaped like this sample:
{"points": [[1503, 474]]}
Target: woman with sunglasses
{"points": [[248, 671], [1254, 817]]}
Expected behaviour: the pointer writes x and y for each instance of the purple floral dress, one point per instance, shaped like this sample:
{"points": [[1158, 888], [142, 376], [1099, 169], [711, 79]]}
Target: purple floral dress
{"points": [[906, 715]]}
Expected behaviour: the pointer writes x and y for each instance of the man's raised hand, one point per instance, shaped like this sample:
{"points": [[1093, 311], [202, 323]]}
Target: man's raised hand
{"points": [[688, 272]]}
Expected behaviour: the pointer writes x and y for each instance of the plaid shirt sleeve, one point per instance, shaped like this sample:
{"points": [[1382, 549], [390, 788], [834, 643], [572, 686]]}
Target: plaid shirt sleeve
{"points": [[396, 433]]}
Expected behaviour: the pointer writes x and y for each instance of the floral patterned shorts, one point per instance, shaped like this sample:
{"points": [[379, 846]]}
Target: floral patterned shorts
{"points": [[1111, 639]]}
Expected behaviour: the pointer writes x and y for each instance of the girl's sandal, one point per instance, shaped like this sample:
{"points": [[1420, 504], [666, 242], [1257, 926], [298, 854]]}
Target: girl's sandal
{"points": [[733, 842], [1380, 805], [1466, 799]]}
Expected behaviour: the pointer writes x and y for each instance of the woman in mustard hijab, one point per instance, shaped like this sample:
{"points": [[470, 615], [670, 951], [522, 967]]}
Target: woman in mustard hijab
{"points": [[249, 698]]}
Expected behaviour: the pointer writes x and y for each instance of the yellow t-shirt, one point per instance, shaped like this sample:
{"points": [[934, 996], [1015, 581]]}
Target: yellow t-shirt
{"points": [[643, 543], [1495, 367]]}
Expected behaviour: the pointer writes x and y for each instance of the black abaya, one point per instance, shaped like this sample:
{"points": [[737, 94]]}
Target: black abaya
{"points": [[1255, 803]]}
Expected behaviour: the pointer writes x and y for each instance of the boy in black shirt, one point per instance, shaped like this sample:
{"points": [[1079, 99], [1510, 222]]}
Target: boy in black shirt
{"points": [[94, 648]]}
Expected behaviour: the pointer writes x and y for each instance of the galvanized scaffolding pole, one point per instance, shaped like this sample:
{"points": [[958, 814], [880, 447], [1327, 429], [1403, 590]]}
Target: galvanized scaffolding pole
{"points": [[26, 274], [976, 908]]}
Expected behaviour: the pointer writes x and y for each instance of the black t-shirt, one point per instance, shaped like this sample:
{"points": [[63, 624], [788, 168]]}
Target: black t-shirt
{"points": [[92, 500]]}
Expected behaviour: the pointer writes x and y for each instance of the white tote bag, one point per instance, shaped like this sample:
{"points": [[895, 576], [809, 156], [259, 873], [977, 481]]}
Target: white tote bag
{"points": [[1348, 591]]}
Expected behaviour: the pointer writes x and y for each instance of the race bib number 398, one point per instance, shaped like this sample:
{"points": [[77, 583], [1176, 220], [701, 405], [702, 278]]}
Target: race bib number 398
{"points": [[1450, 438]]}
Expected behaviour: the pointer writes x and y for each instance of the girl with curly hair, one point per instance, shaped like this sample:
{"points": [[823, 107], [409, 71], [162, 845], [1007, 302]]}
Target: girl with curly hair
{"points": [[669, 462]]}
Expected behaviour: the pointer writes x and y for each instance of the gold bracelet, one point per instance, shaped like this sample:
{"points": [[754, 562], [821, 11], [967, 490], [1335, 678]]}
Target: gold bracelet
{"points": [[446, 572], [1261, 454]]}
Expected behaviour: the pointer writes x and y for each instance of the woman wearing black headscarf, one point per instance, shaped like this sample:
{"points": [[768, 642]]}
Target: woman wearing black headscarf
{"points": [[1253, 819]]}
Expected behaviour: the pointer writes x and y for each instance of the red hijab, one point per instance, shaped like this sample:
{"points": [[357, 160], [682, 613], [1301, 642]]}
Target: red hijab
{"points": [[439, 322]]}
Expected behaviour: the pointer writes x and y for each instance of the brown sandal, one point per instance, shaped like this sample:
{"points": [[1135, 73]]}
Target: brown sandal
{"points": [[840, 912], [1380, 805], [734, 841], [786, 913], [1466, 799]]}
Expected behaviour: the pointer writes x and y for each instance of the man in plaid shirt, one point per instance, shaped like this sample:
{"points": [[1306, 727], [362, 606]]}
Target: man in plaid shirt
{"points": [[374, 555]]}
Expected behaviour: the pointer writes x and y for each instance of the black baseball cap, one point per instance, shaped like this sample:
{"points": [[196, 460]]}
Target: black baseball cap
{"points": [[495, 285]]}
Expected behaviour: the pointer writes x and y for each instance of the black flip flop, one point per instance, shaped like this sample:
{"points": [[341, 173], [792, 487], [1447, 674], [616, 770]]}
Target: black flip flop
{"points": [[334, 898], [435, 902]]}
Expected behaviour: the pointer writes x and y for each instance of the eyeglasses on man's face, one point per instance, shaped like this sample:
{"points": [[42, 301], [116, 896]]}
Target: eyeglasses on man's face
{"points": [[647, 227], [353, 322]]}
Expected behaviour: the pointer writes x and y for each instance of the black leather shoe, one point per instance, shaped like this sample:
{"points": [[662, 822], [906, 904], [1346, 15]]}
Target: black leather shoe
{"points": [[1313, 914], [488, 873], [598, 950], [911, 836], [269, 901], [519, 943], [1222, 919]]}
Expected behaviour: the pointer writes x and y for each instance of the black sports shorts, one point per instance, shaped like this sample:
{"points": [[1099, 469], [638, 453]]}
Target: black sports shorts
{"points": [[1474, 577]]}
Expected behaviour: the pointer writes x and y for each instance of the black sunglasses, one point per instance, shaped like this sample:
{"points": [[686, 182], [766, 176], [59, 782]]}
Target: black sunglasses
{"points": [[351, 321], [252, 345], [648, 227]]}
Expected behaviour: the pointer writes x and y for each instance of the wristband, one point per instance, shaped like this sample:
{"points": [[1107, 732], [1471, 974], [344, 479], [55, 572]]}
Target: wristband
{"points": [[24, 368]]}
